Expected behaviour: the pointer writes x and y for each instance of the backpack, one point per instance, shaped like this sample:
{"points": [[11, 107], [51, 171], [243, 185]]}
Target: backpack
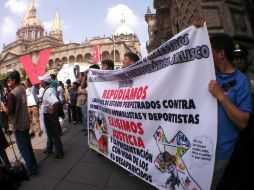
{"points": [[59, 112]]}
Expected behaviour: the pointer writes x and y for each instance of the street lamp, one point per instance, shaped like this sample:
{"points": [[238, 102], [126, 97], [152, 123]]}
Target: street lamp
{"points": [[114, 54]]}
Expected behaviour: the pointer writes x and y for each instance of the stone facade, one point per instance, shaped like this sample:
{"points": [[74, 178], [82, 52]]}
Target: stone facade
{"points": [[234, 17], [31, 38]]}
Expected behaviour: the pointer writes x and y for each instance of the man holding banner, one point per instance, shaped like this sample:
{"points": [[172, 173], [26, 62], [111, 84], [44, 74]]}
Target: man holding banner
{"points": [[233, 92], [107, 64], [129, 59], [160, 117]]}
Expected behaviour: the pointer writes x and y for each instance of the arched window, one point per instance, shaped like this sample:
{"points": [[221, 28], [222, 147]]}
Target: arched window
{"points": [[71, 59], [105, 55], [88, 57], [117, 56], [64, 60], [79, 58]]}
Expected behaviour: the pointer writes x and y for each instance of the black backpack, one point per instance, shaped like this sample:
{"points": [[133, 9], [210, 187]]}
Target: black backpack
{"points": [[59, 111]]}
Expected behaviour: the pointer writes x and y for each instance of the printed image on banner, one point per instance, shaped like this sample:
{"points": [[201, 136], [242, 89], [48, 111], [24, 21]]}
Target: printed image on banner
{"points": [[156, 118]]}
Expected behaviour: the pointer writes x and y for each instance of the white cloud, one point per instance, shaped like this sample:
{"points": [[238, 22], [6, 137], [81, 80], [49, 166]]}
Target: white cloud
{"points": [[8, 28], [121, 11], [135, 23], [16, 6]]}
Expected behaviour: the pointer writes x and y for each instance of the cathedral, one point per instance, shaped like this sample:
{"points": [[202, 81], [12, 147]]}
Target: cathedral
{"points": [[234, 17], [31, 38]]}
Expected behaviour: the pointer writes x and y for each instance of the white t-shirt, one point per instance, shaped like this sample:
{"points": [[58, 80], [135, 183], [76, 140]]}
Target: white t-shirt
{"points": [[30, 97], [49, 98], [41, 91], [60, 92]]}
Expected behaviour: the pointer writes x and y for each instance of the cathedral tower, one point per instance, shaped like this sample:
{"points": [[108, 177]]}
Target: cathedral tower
{"points": [[31, 27], [57, 27]]}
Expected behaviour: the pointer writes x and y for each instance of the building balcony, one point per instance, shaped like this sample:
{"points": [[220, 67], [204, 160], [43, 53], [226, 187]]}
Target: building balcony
{"points": [[161, 4]]}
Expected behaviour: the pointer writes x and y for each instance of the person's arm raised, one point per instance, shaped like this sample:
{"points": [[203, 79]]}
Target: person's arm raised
{"points": [[84, 81], [237, 116]]}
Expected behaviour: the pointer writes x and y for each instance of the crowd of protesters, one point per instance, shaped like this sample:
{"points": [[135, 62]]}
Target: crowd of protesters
{"points": [[29, 110], [45, 104]]}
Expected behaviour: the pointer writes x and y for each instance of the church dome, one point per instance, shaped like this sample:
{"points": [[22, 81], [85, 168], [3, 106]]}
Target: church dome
{"points": [[31, 22], [30, 17], [31, 27], [123, 29]]}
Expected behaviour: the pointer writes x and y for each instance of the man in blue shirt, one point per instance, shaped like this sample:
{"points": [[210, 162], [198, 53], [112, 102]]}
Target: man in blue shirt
{"points": [[233, 92]]}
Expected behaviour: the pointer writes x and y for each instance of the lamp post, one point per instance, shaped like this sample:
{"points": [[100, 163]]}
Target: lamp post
{"points": [[114, 48]]}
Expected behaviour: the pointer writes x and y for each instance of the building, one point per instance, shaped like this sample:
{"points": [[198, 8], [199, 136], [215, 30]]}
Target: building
{"points": [[234, 17], [31, 38]]}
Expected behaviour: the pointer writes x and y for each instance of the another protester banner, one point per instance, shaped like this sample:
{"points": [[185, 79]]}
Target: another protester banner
{"points": [[34, 70], [156, 118], [96, 54]]}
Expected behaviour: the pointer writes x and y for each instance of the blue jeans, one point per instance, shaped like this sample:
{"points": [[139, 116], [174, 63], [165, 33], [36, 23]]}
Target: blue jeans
{"points": [[25, 148], [84, 116]]}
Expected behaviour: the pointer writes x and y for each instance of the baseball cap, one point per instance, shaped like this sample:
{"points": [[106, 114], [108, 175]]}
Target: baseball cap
{"points": [[45, 78]]}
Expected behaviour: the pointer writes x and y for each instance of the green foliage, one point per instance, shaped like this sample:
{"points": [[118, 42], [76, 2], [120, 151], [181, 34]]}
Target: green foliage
{"points": [[3, 76], [22, 73]]}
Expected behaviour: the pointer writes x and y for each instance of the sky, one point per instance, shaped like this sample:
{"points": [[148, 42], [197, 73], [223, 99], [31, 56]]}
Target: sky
{"points": [[81, 19]]}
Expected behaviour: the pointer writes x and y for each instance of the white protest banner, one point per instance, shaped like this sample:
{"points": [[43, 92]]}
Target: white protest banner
{"points": [[156, 118]]}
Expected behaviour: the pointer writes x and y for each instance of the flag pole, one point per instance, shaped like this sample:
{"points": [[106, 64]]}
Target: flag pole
{"points": [[114, 48]]}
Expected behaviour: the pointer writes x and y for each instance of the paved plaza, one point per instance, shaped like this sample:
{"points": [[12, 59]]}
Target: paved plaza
{"points": [[80, 169]]}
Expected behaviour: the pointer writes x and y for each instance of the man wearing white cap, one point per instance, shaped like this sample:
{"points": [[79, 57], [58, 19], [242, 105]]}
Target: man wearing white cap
{"points": [[50, 105]]}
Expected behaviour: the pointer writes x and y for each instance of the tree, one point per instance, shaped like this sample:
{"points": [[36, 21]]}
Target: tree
{"points": [[23, 73], [3, 76]]}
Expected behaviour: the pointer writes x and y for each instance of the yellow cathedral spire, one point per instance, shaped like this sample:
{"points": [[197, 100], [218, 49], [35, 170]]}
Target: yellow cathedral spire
{"points": [[29, 8], [57, 27]]}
